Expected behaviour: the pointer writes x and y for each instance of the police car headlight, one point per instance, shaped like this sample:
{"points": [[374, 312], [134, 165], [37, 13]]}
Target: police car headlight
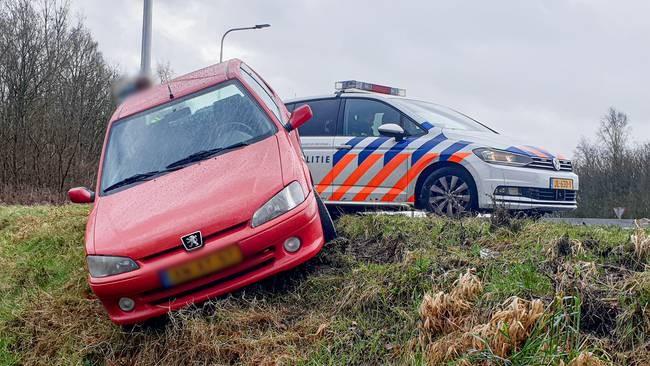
{"points": [[288, 198], [494, 156], [104, 266]]}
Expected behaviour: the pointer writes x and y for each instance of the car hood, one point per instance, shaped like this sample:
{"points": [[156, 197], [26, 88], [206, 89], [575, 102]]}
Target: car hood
{"points": [[210, 196], [497, 141]]}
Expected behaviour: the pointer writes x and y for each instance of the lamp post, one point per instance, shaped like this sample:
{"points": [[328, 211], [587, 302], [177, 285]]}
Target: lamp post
{"points": [[145, 55], [256, 26]]}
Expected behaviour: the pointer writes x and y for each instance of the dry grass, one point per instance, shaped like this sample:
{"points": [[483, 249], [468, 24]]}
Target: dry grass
{"points": [[641, 241], [564, 246], [220, 332], [585, 359], [507, 330], [511, 326], [444, 313]]}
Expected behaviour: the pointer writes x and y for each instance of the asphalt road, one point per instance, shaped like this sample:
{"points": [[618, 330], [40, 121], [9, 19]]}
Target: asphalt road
{"points": [[624, 223]]}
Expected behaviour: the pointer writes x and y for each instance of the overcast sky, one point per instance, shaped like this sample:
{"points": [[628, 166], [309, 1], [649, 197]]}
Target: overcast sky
{"points": [[544, 71]]}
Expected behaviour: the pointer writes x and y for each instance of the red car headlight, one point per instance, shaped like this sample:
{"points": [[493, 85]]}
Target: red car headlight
{"points": [[287, 199], [104, 266]]}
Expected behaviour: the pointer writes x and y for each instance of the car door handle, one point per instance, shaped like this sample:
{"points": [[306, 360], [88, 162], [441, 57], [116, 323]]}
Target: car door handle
{"points": [[344, 147]]}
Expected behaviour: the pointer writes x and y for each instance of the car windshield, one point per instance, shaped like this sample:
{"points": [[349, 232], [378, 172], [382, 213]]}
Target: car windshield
{"points": [[443, 117], [182, 132]]}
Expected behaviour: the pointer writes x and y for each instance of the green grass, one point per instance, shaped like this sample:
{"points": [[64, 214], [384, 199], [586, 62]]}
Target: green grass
{"points": [[356, 303], [517, 279]]}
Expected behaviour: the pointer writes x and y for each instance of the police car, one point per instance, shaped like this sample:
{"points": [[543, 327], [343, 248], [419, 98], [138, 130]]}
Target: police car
{"points": [[369, 144]]}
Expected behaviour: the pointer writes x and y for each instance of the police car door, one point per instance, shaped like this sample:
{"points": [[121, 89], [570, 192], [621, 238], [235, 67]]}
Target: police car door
{"points": [[317, 139], [368, 167]]}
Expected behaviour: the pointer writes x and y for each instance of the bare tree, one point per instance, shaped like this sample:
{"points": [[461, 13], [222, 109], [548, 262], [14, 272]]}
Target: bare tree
{"points": [[54, 98], [164, 72], [612, 171], [614, 133]]}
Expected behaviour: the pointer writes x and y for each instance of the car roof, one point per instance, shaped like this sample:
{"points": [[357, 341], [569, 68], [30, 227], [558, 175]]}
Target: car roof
{"points": [[180, 87], [347, 94]]}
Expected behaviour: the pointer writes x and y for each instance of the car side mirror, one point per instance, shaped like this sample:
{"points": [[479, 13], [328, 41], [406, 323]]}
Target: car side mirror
{"points": [[392, 130], [300, 116], [81, 195]]}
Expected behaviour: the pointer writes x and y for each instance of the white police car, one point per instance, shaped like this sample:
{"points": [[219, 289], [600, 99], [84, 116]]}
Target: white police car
{"points": [[370, 145]]}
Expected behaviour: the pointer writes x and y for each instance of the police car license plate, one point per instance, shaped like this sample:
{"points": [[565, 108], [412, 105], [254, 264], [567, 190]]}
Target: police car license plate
{"points": [[221, 259], [561, 183]]}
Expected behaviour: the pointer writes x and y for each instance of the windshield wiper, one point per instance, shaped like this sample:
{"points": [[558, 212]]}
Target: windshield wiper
{"points": [[140, 177], [204, 154]]}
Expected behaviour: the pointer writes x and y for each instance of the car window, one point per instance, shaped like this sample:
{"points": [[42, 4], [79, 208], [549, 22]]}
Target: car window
{"points": [[290, 107], [260, 89], [153, 140], [323, 123], [411, 128], [441, 116], [362, 117]]}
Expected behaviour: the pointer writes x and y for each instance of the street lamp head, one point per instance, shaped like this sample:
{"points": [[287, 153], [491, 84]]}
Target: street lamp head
{"points": [[256, 26]]}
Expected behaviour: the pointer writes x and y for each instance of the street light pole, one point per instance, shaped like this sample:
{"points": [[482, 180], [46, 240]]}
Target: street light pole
{"points": [[256, 26], [145, 55]]}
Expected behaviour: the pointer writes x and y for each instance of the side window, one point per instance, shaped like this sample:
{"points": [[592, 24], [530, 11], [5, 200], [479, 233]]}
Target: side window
{"points": [[262, 91], [323, 123], [411, 128], [362, 117], [290, 107]]}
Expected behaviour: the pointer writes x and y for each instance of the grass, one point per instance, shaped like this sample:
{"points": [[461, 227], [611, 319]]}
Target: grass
{"points": [[544, 294]]}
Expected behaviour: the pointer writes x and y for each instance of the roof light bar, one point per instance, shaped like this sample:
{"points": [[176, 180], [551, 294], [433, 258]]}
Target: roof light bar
{"points": [[376, 88]]}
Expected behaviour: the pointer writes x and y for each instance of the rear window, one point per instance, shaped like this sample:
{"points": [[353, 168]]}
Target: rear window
{"points": [[323, 123]]}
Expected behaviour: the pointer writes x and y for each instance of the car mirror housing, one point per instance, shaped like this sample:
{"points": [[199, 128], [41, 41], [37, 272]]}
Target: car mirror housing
{"points": [[392, 130], [300, 116], [81, 195]]}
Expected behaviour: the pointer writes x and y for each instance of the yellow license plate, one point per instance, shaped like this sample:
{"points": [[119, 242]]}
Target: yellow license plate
{"points": [[200, 267], [561, 183]]}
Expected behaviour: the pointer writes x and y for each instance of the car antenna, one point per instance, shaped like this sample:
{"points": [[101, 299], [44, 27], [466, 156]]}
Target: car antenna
{"points": [[171, 95]]}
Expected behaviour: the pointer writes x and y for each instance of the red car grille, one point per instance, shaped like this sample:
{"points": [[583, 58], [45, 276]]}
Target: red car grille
{"points": [[184, 292], [212, 236]]}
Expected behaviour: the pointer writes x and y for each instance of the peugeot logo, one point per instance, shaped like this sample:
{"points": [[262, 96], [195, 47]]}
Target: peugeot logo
{"points": [[192, 241], [556, 164]]}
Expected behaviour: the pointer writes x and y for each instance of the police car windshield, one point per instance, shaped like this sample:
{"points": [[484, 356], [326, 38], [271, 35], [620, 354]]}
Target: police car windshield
{"points": [[443, 117], [180, 131]]}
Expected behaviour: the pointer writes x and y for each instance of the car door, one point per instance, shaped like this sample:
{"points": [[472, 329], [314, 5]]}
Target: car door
{"points": [[366, 166], [317, 139]]}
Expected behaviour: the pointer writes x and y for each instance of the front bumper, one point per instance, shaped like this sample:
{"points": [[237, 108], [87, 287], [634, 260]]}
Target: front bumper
{"points": [[490, 176], [263, 254]]}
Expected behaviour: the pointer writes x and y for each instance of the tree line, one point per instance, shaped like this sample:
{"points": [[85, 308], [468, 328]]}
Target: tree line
{"points": [[614, 171], [55, 100]]}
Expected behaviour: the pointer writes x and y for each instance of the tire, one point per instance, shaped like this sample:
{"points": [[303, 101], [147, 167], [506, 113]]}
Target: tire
{"points": [[449, 191], [329, 230]]}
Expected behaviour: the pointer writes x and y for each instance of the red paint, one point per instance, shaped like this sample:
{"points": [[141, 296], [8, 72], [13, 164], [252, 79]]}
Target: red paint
{"points": [[81, 195], [300, 116], [217, 196]]}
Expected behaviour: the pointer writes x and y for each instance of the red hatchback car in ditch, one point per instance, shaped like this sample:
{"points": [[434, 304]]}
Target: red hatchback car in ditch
{"points": [[202, 189]]}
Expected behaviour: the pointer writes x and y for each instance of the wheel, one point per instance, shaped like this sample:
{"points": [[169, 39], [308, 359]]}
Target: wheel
{"points": [[449, 191], [329, 230]]}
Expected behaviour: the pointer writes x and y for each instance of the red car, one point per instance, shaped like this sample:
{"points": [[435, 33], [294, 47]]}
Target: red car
{"points": [[202, 189]]}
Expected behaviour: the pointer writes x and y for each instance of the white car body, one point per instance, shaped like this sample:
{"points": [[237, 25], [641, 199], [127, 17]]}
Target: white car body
{"points": [[380, 170]]}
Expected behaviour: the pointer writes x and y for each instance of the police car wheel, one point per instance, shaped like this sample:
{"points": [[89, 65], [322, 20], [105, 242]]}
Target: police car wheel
{"points": [[449, 192]]}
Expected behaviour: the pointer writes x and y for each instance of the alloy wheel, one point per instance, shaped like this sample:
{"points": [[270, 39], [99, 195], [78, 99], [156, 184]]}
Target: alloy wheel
{"points": [[450, 196]]}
